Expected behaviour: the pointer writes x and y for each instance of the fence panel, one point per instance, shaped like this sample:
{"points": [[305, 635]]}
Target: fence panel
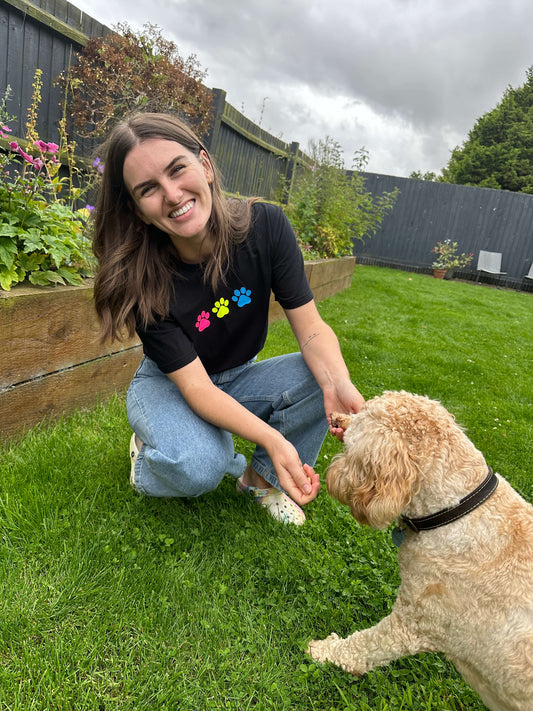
{"points": [[252, 161], [476, 218], [40, 35]]}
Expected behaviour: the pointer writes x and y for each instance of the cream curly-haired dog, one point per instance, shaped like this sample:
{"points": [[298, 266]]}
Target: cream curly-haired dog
{"points": [[466, 558]]}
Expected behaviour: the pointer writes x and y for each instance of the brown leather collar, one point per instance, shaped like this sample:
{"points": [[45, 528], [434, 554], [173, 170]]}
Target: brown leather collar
{"points": [[466, 505]]}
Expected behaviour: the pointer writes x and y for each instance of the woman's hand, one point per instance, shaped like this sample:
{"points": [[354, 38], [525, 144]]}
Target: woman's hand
{"points": [[299, 480], [345, 398]]}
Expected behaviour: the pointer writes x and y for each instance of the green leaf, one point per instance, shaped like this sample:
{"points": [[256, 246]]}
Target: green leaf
{"points": [[31, 262], [8, 277], [8, 251], [70, 275], [45, 278], [7, 230]]}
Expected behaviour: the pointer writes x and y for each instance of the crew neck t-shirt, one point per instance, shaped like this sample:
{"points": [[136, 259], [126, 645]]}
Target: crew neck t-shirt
{"points": [[228, 327]]}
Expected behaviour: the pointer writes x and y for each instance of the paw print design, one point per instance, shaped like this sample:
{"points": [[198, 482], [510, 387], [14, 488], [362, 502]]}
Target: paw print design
{"points": [[221, 308], [241, 296], [203, 322]]}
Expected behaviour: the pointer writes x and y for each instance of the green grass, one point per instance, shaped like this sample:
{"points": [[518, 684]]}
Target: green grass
{"points": [[113, 601]]}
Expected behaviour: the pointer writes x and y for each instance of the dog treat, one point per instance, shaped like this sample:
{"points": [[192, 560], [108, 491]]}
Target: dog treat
{"points": [[340, 420]]}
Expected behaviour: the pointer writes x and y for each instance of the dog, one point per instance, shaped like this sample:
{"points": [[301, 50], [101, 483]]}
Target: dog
{"points": [[465, 541]]}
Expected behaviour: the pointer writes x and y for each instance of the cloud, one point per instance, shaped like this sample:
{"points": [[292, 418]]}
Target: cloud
{"points": [[405, 78]]}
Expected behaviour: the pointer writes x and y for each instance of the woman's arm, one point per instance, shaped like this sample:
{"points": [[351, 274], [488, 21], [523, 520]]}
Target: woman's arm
{"points": [[220, 409], [321, 351]]}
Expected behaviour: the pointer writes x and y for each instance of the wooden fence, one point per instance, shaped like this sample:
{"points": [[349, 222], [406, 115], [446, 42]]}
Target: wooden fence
{"points": [[46, 35], [476, 218]]}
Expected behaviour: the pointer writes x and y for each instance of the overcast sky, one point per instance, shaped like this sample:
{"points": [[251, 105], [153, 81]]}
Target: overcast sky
{"points": [[406, 79]]}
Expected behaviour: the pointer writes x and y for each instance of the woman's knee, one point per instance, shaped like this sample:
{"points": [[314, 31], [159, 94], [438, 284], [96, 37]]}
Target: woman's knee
{"points": [[191, 472]]}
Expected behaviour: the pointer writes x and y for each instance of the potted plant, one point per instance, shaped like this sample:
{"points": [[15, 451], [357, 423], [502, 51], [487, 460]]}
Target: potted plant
{"points": [[448, 258]]}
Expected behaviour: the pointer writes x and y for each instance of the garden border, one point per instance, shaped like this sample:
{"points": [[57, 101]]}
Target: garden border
{"points": [[53, 363]]}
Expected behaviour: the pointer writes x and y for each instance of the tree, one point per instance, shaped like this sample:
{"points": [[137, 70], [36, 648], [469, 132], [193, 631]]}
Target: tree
{"points": [[429, 175], [499, 150], [126, 71]]}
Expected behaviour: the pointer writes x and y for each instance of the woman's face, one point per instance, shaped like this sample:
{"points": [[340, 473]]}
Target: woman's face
{"points": [[170, 188]]}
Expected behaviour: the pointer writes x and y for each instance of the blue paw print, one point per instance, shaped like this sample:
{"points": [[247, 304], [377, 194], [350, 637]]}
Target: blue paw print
{"points": [[241, 296]]}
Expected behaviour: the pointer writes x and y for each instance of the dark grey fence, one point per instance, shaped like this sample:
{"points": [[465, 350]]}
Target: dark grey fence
{"points": [[251, 160], [476, 218], [45, 34]]}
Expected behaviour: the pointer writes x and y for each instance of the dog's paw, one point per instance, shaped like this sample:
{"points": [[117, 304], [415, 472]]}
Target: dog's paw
{"points": [[318, 648], [333, 649]]}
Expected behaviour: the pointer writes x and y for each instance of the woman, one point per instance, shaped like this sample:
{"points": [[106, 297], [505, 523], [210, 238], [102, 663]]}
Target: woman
{"points": [[191, 272]]}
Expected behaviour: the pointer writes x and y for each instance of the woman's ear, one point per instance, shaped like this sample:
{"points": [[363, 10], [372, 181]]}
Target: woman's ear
{"points": [[208, 168]]}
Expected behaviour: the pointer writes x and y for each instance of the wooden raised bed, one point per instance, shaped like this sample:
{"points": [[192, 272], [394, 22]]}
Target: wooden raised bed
{"points": [[53, 364]]}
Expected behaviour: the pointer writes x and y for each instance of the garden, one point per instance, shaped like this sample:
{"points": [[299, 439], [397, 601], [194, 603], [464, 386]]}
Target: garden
{"points": [[114, 601]]}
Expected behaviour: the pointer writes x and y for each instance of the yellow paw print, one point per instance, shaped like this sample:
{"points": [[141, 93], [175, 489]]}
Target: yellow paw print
{"points": [[221, 308]]}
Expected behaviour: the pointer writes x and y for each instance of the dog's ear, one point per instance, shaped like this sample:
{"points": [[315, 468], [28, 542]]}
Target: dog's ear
{"points": [[375, 478]]}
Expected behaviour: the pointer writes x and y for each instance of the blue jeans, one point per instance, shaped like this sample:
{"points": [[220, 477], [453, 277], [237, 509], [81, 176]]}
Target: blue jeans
{"points": [[183, 455]]}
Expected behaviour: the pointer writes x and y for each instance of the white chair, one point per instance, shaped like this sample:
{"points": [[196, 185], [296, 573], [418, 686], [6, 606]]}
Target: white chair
{"points": [[529, 275], [490, 263]]}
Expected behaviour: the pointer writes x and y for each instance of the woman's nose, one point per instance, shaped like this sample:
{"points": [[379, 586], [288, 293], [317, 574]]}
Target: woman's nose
{"points": [[171, 191]]}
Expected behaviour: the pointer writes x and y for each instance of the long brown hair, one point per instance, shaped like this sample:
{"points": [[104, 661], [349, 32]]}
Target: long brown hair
{"points": [[137, 262]]}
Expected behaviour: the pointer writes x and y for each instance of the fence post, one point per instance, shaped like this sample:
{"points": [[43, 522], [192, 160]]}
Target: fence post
{"points": [[290, 172], [219, 101]]}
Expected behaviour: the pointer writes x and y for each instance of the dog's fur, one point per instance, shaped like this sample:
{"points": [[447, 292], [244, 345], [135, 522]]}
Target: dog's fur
{"points": [[466, 587]]}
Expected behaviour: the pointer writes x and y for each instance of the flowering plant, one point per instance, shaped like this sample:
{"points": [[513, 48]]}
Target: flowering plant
{"points": [[448, 258], [41, 231]]}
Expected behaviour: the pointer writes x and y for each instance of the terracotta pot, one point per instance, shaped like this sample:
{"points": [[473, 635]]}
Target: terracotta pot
{"points": [[439, 273]]}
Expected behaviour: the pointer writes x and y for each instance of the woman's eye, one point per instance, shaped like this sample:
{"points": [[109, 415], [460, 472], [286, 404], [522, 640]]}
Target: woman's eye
{"points": [[177, 169], [147, 190]]}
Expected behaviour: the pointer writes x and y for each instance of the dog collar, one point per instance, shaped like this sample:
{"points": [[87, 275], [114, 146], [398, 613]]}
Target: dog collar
{"points": [[467, 504]]}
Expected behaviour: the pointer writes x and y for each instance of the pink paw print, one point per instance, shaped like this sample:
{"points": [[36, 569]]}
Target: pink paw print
{"points": [[203, 322]]}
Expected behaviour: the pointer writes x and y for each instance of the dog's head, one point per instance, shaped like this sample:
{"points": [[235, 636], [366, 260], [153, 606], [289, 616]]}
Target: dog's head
{"points": [[390, 445]]}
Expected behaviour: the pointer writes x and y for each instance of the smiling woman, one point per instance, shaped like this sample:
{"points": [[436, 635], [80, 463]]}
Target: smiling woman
{"points": [[173, 196], [192, 273]]}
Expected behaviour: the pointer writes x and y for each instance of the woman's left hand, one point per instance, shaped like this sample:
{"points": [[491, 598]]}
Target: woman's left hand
{"points": [[344, 398]]}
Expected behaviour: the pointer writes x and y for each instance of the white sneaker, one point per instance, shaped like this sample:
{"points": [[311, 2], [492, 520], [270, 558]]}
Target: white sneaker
{"points": [[134, 453]]}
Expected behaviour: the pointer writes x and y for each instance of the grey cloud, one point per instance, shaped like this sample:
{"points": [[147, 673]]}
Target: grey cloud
{"points": [[430, 68]]}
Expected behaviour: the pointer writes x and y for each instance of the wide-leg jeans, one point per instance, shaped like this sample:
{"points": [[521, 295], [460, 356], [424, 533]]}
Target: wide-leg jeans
{"points": [[183, 455]]}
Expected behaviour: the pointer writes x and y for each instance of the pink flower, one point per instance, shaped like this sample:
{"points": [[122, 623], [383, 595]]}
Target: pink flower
{"points": [[14, 146], [25, 155], [37, 163], [46, 147], [6, 128]]}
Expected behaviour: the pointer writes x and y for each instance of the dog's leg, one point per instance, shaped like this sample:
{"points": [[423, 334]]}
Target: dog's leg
{"points": [[388, 640]]}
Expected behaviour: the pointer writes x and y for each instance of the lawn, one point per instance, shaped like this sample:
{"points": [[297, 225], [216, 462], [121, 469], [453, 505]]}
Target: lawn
{"points": [[114, 601]]}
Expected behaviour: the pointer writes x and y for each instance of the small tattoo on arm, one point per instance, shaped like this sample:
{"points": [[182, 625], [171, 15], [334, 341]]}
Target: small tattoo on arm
{"points": [[313, 335]]}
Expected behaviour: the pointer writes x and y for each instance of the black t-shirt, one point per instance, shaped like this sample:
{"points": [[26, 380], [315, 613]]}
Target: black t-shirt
{"points": [[229, 327]]}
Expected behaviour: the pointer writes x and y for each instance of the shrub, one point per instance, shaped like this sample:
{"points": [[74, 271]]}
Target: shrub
{"points": [[139, 71], [41, 230], [447, 256], [329, 207]]}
